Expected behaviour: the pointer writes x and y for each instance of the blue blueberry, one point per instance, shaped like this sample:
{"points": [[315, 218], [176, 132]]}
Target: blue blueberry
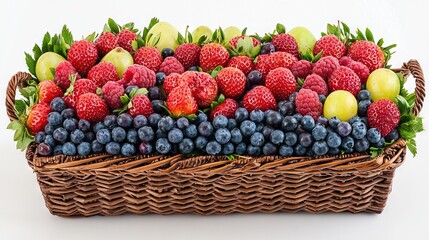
{"points": [[84, 125], [307, 123], [322, 98], [89, 137], [287, 108], [84, 149], [344, 129], [236, 136], [98, 126], [154, 119], [69, 149], [364, 95], [60, 134], [266, 131], [58, 150], [364, 120], [167, 52], [253, 150], [160, 134], [165, 124], [40, 137], [77, 136], [110, 121], [333, 122], [128, 149], [49, 139], [260, 127], [186, 146], [285, 151], [319, 132], [373, 135], [273, 118], [213, 148], [44, 149], [305, 139], [220, 121], [205, 129], [175, 135], [323, 121], [201, 142], [269, 149], [289, 123], [257, 139], [363, 107], [392, 136], [131, 88], [97, 147], [145, 148], [132, 136], [119, 134], [320, 148], [228, 149], [292, 97], [182, 123], [160, 77], [222, 135], [202, 117], [290, 138], [103, 136], [347, 143], [241, 114], [191, 131], [257, 116], [68, 113], [254, 77], [140, 121], [333, 140], [146, 134], [300, 129], [155, 94], [124, 120], [355, 119], [358, 130], [361, 145], [300, 150], [298, 117], [232, 123], [58, 104], [334, 151], [158, 106], [54, 118], [379, 144], [113, 148], [277, 137], [247, 128]]}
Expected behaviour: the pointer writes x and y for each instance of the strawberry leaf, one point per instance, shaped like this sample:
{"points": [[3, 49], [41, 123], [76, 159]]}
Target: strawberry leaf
{"points": [[114, 27], [31, 64], [280, 28]]}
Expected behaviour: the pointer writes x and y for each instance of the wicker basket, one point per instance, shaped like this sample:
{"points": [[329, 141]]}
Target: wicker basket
{"points": [[106, 185]]}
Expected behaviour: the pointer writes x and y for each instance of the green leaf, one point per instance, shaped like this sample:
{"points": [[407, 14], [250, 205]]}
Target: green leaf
{"points": [[180, 38], [46, 40], [37, 52], [67, 35], [280, 28], [91, 37], [114, 27], [369, 35], [31, 64], [141, 91], [411, 144], [202, 40], [125, 99], [221, 99], [20, 107], [106, 28]]}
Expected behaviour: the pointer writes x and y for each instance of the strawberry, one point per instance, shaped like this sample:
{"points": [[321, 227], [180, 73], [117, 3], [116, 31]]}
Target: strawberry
{"points": [[204, 89], [37, 117], [281, 83], [112, 92], [331, 45], [48, 90], [263, 64], [138, 75], [171, 65], [343, 78], [213, 55], [285, 43], [384, 115], [316, 83], [78, 88], [91, 107], [105, 43], [302, 69], [83, 55], [325, 66], [149, 57], [62, 75], [126, 38], [170, 82], [226, 108], [307, 103], [367, 53], [234, 41], [244, 63], [103, 72], [281, 59], [231, 81], [188, 54], [140, 105], [260, 98], [180, 101]]}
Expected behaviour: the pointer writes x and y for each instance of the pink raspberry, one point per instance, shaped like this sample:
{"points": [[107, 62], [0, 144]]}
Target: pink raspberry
{"points": [[325, 66], [112, 92], [62, 75], [307, 103], [316, 83], [302, 69], [345, 61], [171, 65], [360, 69], [103, 72], [138, 75]]}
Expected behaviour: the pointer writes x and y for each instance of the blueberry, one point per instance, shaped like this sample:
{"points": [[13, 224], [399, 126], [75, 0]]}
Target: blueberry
{"points": [[319, 132], [285, 151], [84, 149], [98, 126], [113, 148], [44, 149], [222, 135], [253, 150], [153, 119], [158, 106], [273, 118], [201, 142], [182, 123], [77, 136], [333, 122], [305, 139], [267, 48], [69, 149], [232, 123], [129, 89], [307, 123], [97, 147], [334, 151], [300, 129], [300, 150], [257, 139], [202, 117], [58, 150], [254, 77], [236, 136], [103, 136], [298, 117], [167, 52], [119, 134], [363, 107], [175, 135], [70, 124], [373, 135], [160, 77], [358, 130], [146, 134], [124, 120], [247, 128], [292, 97], [84, 125], [269, 149], [347, 143], [220, 121], [241, 114], [322, 98], [145, 148], [186, 146], [333, 140], [165, 124], [257, 116], [379, 144], [160, 134], [392, 136], [205, 129], [193, 68], [191, 131], [174, 149], [287, 108], [140, 121], [355, 119], [277, 137], [128, 149], [155, 94], [290, 138], [241, 148], [213, 148], [364, 120], [344, 129], [228, 149], [323, 121], [54, 118], [266, 131], [58, 104], [40, 137], [50, 140], [320, 148], [68, 113], [60, 134], [89, 137], [110, 121], [361, 145], [364, 95]]}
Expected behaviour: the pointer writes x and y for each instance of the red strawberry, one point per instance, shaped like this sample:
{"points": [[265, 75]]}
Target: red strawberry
{"points": [[260, 98], [138, 75], [316, 83], [226, 108], [170, 82], [244, 63], [112, 92], [149, 57], [126, 38], [103, 72], [367, 53], [231, 81], [331, 46], [360, 69], [343, 78], [91, 107], [213, 55], [233, 42], [307, 103], [285, 43], [302, 69], [62, 75], [140, 105], [48, 90], [78, 88], [171, 65], [281, 59], [384, 115], [83, 55], [37, 117], [263, 64], [204, 89], [180, 101], [105, 43], [281, 83], [325, 66], [188, 54]]}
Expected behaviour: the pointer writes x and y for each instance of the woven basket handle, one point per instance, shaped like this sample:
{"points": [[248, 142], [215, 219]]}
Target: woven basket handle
{"points": [[18, 80], [416, 71]]}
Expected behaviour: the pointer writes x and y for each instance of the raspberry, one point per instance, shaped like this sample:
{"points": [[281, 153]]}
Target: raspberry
{"points": [[325, 66], [140, 76], [62, 75], [302, 69], [316, 83], [384, 115], [281, 83], [112, 92], [360, 69], [345, 61], [307, 103], [103, 72], [343, 78], [171, 65]]}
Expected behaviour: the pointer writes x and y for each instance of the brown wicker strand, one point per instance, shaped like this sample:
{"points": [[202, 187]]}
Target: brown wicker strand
{"points": [[18, 80]]}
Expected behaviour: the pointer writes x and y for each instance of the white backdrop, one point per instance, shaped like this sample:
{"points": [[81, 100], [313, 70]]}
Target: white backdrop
{"points": [[22, 211]]}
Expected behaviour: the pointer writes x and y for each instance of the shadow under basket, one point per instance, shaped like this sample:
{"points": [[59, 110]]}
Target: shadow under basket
{"points": [[112, 185]]}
